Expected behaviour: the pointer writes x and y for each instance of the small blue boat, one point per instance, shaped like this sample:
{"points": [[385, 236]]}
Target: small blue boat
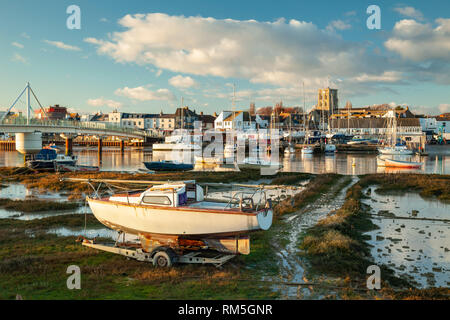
{"points": [[168, 166]]}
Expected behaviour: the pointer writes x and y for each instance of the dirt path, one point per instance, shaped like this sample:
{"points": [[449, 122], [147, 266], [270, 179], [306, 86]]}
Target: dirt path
{"points": [[292, 265]]}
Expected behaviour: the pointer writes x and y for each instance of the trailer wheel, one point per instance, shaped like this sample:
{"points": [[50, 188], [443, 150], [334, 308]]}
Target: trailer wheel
{"points": [[162, 259]]}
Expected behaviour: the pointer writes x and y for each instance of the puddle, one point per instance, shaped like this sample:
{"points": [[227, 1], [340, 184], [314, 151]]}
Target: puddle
{"points": [[20, 192], [415, 249], [92, 233], [6, 214], [274, 194]]}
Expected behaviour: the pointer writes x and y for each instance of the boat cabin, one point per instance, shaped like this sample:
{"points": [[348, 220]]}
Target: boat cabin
{"points": [[165, 195]]}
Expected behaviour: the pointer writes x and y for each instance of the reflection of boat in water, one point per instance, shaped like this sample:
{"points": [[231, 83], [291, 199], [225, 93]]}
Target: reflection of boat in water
{"points": [[48, 158], [179, 142], [289, 150], [177, 214], [402, 164], [168, 166]]}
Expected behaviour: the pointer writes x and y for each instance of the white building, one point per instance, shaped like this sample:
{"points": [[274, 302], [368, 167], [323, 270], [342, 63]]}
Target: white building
{"points": [[238, 120]]}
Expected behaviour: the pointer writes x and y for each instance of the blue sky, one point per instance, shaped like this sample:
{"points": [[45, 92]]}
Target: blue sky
{"points": [[197, 49]]}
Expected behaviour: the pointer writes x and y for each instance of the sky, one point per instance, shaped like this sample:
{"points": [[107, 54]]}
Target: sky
{"points": [[146, 56]]}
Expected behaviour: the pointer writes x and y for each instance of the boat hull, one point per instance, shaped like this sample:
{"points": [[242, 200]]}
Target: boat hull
{"points": [[402, 164], [164, 166], [186, 221]]}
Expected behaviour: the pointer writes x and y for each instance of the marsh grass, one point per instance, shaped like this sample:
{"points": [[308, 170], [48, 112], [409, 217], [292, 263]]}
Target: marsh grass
{"points": [[427, 185], [313, 190]]}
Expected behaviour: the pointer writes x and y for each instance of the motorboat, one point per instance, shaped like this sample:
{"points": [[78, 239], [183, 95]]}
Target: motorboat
{"points": [[166, 165], [177, 212], [48, 158]]}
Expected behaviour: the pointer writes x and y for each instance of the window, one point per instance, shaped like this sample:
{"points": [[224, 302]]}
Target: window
{"points": [[160, 200]]}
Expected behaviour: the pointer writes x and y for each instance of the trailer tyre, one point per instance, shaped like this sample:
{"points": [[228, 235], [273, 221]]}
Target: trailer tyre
{"points": [[162, 259]]}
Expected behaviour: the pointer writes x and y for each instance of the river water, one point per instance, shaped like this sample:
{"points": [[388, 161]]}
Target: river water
{"points": [[438, 161]]}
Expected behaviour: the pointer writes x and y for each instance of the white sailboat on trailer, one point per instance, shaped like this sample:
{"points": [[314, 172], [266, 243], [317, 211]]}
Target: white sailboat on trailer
{"points": [[175, 217]]}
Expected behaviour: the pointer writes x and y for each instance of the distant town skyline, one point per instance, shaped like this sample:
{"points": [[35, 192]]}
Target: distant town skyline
{"points": [[143, 56]]}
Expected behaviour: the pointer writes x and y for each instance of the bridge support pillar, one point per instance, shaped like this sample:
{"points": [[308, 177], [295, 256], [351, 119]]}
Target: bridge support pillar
{"points": [[69, 146], [100, 142], [122, 146]]}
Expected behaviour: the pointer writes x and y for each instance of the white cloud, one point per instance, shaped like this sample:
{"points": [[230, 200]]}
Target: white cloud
{"points": [[409, 12], [158, 73], [444, 107], [25, 35], [62, 45], [18, 45], [420, 42], [338, 25], [18, 58], [144, 94], [104, 20], [101, 102], [387, 77], [182, 82], [280, 53]]}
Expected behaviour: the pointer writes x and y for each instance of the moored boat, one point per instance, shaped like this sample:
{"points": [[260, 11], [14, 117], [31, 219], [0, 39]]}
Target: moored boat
{"points": [[402, 164], [48, 158], [168, 166]]}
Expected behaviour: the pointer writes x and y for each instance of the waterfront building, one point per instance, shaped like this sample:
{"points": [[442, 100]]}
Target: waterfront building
{"points": [[409, 129], [55, 112], [376, 111], [239, 121]]}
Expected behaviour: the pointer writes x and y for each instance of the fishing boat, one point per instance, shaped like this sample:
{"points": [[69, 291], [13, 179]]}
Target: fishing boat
{"points": [[47, 159], [60, 167], [402, 164], [166, 165]]}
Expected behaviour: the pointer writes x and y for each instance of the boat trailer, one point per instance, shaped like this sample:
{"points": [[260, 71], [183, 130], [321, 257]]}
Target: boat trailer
{"points": [[162, 256]]}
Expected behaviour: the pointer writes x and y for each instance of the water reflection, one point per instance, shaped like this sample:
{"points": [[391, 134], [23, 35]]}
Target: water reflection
{"points": [[350, 164], [417, 249]]}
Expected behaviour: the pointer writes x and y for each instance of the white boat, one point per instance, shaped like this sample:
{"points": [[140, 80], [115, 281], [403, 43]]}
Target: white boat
{"points": [[330, 148], [289, 150], [381, 162], [179, 209], [257, 163], [402, 164], [307, 150], [396, 150], [179, 142]]}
